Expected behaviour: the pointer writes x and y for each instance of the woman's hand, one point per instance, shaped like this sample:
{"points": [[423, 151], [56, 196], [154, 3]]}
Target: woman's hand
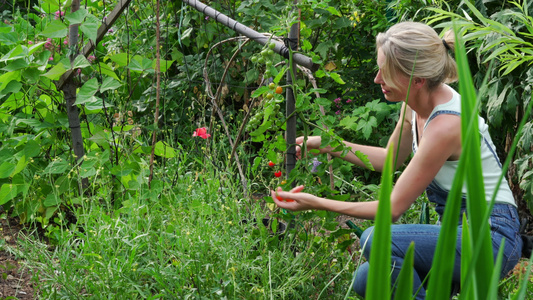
{"points": [[294, 200], [313, 142]]}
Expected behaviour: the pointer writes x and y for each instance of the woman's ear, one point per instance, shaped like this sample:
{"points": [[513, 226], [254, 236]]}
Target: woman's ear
{"points": [[419, 82]]}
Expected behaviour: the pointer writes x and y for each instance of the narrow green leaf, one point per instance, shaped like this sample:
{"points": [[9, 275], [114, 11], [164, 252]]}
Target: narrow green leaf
{"points": [[379, 284], [477, 202], [404, 288], [495, 280], [467, 287]]}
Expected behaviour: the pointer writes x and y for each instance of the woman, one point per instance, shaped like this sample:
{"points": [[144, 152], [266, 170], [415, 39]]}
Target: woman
{"points": [[432, 130]]}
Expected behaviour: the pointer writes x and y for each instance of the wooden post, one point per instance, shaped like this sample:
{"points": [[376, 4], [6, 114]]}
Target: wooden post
{"points": [[290, 135], [68, 85], [69, 91]]}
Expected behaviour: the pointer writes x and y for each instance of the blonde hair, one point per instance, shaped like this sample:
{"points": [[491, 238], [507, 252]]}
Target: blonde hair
{"points": [[409, 43]]}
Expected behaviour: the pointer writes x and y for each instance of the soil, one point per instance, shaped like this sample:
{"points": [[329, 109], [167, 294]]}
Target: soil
{"points": [[15, 280]]}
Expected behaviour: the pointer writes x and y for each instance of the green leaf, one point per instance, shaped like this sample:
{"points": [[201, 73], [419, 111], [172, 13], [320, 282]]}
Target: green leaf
{"points": [[120, 59], [163, 64], [57, 166], [15, 53], [55, 29], [80, 62], [107, 70], [56, 72], [17, 64], [109, 84], [87, 171], [278, 77], [337, 78], [77, 16], [90, 27], [164, 150], [6, 169], [12, 87], [405, 278], [35, 47], [21, 164], [7, 192], [51, 200], [379, 279], [87, 91], [259, 91], [32, 148]]}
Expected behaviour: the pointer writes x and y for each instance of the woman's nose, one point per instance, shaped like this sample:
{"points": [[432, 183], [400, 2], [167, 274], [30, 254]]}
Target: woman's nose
{"points": [[378, 78]]}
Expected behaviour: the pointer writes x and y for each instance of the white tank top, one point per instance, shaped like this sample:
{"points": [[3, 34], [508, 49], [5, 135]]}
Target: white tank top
{"points": [[491, 165]]}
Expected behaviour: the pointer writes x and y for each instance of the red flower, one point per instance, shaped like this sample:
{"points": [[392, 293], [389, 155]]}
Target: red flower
{"points": [[201, 132], [277, 174], [271, 164]]}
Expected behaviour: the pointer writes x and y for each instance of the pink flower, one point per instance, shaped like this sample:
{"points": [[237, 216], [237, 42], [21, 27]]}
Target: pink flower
{"points": [[338, 112], [30, 43], [65, 42], [58, 14], [349, 101], [51, 58], [201, 132], [91, 58]]}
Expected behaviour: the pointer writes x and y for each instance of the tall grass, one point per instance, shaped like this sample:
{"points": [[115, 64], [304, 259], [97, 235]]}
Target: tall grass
{"points": [[478, 269], [199, 239]]}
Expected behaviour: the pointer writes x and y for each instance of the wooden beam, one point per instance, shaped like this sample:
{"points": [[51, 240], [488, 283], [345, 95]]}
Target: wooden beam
{"points": [[280, 48]]}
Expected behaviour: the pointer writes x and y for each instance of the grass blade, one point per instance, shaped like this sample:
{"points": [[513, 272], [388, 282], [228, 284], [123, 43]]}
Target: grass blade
{"points": [[493, 286], [378, 286], [404, 288], [467, 290], [476, 203]]}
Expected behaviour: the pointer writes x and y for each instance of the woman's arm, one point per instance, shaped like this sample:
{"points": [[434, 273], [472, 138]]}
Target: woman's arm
{"points": [[441, 140], [376, 155]]}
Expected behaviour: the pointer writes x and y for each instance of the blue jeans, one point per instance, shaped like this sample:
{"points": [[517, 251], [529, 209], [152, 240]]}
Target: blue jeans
{"points": [[504, 222]]}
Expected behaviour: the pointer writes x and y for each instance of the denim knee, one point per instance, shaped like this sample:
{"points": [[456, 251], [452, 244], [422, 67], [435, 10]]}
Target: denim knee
{"points": [[360, 279], [365, 241]]}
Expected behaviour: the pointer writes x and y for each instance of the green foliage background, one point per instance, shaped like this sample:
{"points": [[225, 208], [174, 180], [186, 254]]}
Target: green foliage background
{"points": [[40, 180]]}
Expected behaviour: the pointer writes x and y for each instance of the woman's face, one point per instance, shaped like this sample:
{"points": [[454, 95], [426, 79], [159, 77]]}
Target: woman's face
{"points": [[392, 94]]}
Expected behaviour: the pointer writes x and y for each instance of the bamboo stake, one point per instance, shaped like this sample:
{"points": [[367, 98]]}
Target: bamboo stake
{"points": [[280, 48]]}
